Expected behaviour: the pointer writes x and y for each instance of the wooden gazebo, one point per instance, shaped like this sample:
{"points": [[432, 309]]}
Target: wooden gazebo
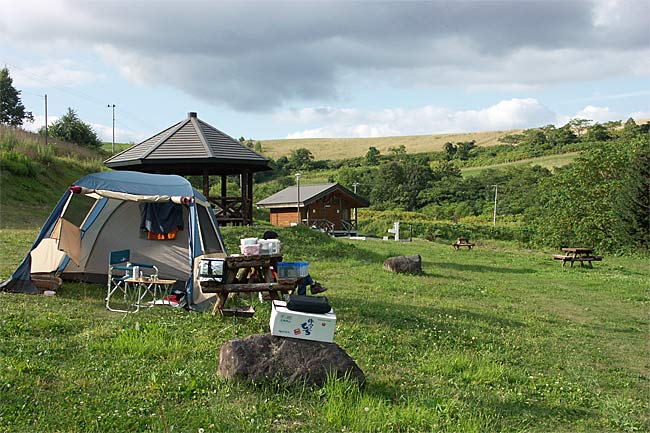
{"points": [[192, 147]]}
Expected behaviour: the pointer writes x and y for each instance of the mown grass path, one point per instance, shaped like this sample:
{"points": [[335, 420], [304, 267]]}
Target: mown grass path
{"points": [[493, 339]]}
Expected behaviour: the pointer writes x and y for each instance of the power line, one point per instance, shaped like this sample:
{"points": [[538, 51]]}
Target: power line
{"points": [[75, 92]]}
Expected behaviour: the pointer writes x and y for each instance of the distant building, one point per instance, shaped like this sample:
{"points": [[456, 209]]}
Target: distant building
{"points": [[329, 207]]}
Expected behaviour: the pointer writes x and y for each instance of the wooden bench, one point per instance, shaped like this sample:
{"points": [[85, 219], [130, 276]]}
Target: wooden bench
{"points": [[463, 242], [582, 259]]}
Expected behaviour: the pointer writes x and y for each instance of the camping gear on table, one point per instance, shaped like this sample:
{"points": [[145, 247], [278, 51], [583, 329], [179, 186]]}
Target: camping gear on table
{"points": [[212, 269], [309, 304], [297, 324], [102, 212], [293, 269]]}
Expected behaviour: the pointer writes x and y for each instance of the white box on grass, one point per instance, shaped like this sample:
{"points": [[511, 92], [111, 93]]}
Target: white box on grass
{"points": [[305, 326]]}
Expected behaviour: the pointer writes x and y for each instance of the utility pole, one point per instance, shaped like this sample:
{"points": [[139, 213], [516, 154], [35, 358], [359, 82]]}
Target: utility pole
{"points": [[113, 142], [298, 176], [46, 119], [494, 219], [355, 185]]}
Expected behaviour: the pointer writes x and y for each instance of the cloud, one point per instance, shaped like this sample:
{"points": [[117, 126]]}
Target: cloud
{"points": [[507, 114], [258, 56], [58, 72], [597, 114]]}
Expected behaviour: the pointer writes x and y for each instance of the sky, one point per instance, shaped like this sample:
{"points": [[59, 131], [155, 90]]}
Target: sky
{"points": [[310, 69]]}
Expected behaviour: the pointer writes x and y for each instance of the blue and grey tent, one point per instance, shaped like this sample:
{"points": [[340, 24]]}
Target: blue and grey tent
{"points": [[161, 219]]}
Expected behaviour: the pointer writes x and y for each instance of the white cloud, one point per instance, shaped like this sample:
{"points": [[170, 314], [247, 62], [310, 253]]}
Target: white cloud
{"points": [[105, 133], [640, 115], [54, 72], [257, 56], [597, 114], [347, 122]]}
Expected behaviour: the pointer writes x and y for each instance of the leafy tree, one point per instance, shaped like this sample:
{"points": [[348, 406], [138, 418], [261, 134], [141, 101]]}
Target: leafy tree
{"points": [[634, 200], [512, 139], [581, 204], [630, 129], [450, 150], [301, 159], [579, 126], [464, 148], [72, 129], [398, 151], [534, 138], [372, 156], [387, 190], [597, 132], [12, 110], [558, 137]]}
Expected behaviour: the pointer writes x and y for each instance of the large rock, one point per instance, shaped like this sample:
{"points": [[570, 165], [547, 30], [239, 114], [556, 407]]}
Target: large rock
{"points": [[404, 264], [265, 357]]}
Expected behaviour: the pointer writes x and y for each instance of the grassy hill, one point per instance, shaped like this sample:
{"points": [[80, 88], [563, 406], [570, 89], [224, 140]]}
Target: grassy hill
{"points": [[497, 339], [33, 176], [550, 162], [341, 148]]}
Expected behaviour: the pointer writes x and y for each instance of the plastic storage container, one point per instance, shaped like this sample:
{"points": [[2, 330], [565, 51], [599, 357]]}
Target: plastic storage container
{"points": [[250, 250], [269, 246], [248, 241], [293, 269]]}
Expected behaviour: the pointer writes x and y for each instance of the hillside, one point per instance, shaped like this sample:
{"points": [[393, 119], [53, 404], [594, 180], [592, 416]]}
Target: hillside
{"points": [[33, 176], [341, 148]]}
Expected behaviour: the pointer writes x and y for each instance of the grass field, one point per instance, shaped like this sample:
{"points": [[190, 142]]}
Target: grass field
{"points": [[341, 148], [551, 162], [488, 340]]}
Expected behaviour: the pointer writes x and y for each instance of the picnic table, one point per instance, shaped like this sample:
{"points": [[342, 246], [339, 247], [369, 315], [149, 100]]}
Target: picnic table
{"points": [[248, 274], [463, 242], [577, 254]]}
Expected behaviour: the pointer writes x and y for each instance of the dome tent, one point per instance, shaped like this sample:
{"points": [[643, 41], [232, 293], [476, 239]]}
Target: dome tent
{"points": [[110, 211]]}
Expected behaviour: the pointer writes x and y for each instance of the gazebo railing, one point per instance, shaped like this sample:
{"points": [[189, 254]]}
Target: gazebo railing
{"points": [[228, 209]]}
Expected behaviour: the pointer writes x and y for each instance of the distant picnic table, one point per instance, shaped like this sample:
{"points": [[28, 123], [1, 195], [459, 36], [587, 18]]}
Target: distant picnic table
{"points": [[463, 242], [577, 254]]}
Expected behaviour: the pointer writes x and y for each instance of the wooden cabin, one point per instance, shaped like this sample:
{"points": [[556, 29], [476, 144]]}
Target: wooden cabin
{"points": [[329, 207]]}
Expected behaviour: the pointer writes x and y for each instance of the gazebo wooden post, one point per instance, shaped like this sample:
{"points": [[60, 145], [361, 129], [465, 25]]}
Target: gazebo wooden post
{"points": [[206, 184], [224, 193], [249, 198]]}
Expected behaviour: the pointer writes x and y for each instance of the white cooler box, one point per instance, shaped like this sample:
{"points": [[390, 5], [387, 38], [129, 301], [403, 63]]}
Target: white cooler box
{"points": [[305, 326]]}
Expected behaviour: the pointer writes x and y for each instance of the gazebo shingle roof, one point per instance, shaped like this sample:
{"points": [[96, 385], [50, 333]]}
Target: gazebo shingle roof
{"points": [[190, 141]]}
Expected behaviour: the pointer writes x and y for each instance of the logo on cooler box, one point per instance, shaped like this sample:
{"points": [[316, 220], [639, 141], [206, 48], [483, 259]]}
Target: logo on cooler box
{"points": [[306, 326]]}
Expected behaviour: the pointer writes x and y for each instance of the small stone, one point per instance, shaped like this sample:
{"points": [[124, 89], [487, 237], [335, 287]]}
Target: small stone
{"points": [[404, 264]]}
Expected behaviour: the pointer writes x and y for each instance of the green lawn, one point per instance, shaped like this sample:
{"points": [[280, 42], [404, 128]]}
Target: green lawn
{"points": [[550, 162], [493, 339]]}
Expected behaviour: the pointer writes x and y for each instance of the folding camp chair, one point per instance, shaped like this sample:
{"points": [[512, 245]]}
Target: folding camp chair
{"points": [[125, 282]]}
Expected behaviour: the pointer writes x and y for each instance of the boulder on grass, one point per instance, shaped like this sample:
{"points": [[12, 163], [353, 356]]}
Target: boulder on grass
{"points": [[259, 358], [404, 264]]}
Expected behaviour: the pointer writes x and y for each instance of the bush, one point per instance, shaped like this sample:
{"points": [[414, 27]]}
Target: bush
{"points": [[17, 163]]}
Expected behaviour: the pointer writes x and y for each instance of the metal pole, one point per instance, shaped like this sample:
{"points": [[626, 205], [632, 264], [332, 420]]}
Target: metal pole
{"points": [[494, 218], [113, 142], [298, 175], [354, 185], [46, 119]]}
